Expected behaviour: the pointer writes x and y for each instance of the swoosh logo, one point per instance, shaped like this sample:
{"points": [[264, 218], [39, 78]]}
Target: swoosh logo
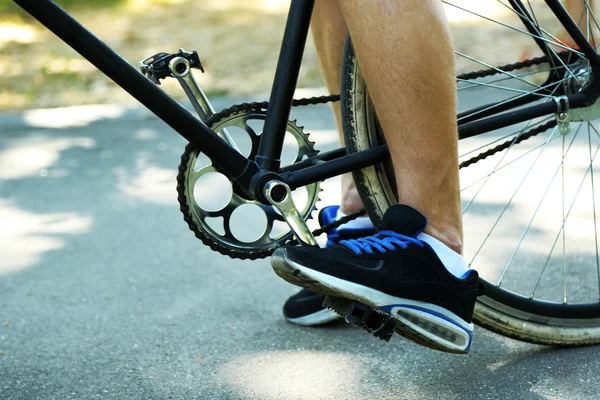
{"points": [[377, 266]]}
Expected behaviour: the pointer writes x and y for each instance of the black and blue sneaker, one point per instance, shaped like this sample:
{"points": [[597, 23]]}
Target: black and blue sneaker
{"points": [[305, 307], [398, 271]]}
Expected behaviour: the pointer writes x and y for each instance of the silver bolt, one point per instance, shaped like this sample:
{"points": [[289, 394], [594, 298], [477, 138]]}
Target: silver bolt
{"points": [[562, 115]]}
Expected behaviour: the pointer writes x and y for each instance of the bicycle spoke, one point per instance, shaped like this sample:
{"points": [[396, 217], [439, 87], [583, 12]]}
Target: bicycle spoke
{"points": [[495, 167], [560, 231], [502, 87], [514, 28], [506, 78], [496, 69], [594, 209], [589, 24], [593, 17], [502, 138], [507, 164], [594, 129], [533, 14], [548, 43], [513, 196], [534, 21], [510, 7], [539, 27], [526, 230], [591, 31], [564, 235], [586, 11], [556, 57], [550, 48]]}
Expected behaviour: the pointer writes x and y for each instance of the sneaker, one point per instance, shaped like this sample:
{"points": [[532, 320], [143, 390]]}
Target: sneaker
{"points": [[305, 307], [398, 271]]}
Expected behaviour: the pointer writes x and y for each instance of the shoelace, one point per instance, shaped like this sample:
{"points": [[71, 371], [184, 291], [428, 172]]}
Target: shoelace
{"points": [[381, 241]]}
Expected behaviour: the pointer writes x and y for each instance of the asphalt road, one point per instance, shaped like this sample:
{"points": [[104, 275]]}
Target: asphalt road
{"points": [[106, 294]]}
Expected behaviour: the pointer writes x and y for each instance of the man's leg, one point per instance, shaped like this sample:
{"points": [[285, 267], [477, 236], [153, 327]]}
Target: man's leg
{"points": [[411, 270], [406, 55]]}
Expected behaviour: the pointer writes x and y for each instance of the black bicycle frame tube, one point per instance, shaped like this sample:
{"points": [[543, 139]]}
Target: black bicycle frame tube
{"points": [[335, 167], [318, 159], [235, 165], [574, 31], [514, 117], [284, 84]]}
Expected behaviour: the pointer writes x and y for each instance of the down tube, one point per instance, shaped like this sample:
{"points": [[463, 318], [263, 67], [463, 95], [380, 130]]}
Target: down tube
{"points": [[237, 167]]}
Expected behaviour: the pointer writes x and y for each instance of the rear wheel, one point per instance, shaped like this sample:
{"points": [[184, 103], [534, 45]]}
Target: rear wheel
{"points": [[530, 208]]}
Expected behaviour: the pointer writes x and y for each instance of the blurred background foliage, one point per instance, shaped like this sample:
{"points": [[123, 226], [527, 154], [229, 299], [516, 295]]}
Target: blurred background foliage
{"points": [[238, 43]]}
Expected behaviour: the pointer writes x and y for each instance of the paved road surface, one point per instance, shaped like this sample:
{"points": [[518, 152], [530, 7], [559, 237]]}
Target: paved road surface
{"points": [[105, 294]]}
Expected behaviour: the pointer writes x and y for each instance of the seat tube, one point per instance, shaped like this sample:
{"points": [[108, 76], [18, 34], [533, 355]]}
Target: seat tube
{"points": [[284, 84]]}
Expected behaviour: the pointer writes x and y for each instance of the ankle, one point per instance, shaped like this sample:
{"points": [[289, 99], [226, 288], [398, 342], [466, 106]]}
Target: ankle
{"points": [[351, 202], [450, 237]]}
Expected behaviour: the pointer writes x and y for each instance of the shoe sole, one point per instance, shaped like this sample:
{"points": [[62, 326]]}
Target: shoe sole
{"points": [[423, 323], [320, 317]]}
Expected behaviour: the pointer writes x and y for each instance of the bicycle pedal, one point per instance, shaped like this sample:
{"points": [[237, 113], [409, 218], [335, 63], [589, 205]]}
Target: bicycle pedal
{"points": [[156, 66], [375, 322]]}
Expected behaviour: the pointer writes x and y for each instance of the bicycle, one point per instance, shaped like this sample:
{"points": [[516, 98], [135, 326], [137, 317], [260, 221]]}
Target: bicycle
{"points": [[553, 91]]}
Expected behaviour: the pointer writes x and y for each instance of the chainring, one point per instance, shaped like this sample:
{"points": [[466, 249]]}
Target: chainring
{"points": [[212, 223]]}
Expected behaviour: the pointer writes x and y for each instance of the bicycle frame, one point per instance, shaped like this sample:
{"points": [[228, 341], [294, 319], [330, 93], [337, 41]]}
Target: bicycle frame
{"points": [[251, 176]]}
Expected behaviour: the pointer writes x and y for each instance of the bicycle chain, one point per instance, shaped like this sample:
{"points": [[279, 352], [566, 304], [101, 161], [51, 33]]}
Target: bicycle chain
{"points": [[511, 67], [505, 145], [263, 106]]}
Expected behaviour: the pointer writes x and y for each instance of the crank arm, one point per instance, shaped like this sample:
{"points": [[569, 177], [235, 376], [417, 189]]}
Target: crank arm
{"points": [[280, 196], [181, 70], [179, 66]]}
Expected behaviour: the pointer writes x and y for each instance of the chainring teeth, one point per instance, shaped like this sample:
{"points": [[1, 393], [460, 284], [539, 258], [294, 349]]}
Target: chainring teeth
{"points": [[195, 216]]}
